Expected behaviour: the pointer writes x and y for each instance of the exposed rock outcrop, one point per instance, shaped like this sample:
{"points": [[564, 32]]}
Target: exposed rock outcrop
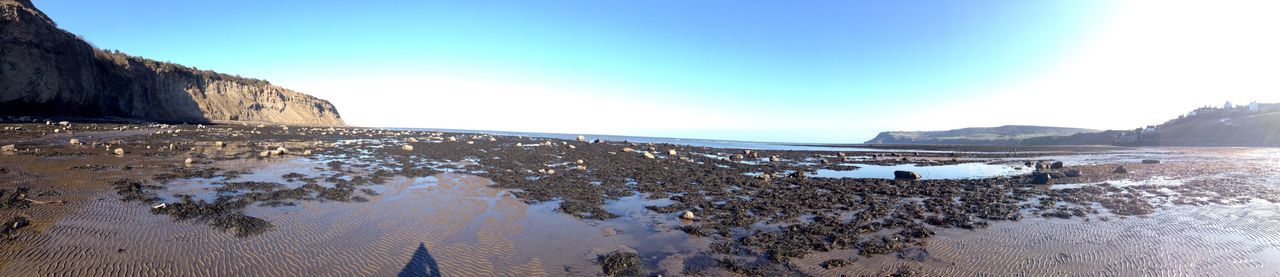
{"points": [[51, 72]]}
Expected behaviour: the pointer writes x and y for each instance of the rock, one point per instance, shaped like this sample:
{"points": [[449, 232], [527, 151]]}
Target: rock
{"points": [[1056, 165], [628, 149], [1074, 173], [774, 159], [188, 162], [648, 155], [797, 175], [551, 171], [1120, 170], [1150, 161], [906, 175], [75, 142], [582, 138], [671, 152], [281, 150], [687, 215], [64, 123], [766, 177], [582, 167], [218, 144], [840, 154], [1041, 178], [406, 147], [264, 154], [118, 151], [411, 140], [579, 161], [306, 153], [737, 157], [8, 148], [823, 162]]}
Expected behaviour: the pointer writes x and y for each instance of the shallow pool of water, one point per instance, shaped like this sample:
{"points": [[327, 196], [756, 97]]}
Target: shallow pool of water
{"points": [[956, 171]]}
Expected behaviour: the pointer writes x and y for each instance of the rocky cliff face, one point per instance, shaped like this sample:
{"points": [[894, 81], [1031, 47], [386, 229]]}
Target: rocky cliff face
{"points": [[47, 71]]}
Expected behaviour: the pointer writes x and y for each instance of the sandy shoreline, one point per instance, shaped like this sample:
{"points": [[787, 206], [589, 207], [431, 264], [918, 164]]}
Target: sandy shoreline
{"points": [[351, 201]]}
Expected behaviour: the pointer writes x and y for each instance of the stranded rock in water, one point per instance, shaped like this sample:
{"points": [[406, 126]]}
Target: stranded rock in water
{"points": [[905, 175]]}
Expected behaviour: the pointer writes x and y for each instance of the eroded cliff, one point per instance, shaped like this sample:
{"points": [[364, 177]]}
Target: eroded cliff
{"points": [[50, 72]]}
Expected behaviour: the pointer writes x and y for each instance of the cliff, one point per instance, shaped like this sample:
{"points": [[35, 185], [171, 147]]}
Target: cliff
{"points": [[46, 71]]}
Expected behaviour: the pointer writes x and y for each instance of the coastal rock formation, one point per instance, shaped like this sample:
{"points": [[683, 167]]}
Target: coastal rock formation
{"points": [[47, 71]]}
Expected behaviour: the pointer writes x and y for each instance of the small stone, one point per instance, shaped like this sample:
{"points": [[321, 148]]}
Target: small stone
{"points": [[582, 138], [188, 162], [264, 154], [1150, 161], [411, 140], [407, 147], [580, 162], [1120, 170], [8, 148], [218, 144], [306, 153], [551, 171], [1073, 173], [671, 152], [75, 142], [628, 149], [687, 215], [281, 150], [774, 159], [648, 155]]}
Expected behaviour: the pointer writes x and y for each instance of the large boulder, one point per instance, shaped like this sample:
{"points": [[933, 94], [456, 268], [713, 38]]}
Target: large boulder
{"points": [[906, 175], [1041, 178], [1120, 170], [1056, 165]]}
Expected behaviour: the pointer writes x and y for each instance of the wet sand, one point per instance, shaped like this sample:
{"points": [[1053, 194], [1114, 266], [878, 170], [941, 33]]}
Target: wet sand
{"points": [[468, 204]]}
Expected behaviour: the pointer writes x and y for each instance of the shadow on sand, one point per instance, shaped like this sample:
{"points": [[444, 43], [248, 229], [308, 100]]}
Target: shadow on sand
{"points": [[421, 264]]}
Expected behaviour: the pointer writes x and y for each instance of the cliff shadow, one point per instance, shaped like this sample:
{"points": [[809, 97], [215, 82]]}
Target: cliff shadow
{"points": [[421, 264]]}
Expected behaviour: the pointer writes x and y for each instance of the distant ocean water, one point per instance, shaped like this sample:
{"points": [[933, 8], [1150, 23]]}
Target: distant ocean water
{"points": [[731, 144]]}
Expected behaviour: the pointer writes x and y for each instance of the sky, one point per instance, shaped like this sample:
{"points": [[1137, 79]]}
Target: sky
{"points": [[786, 71]]}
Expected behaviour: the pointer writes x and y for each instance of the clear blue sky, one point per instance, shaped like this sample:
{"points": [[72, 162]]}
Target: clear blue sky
{"points": [[834, 71]]}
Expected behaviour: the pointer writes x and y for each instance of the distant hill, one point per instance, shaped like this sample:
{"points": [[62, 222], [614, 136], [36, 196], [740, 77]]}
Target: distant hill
{"points": [[1251, 125], [1003, 135], [1256, 124]]}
